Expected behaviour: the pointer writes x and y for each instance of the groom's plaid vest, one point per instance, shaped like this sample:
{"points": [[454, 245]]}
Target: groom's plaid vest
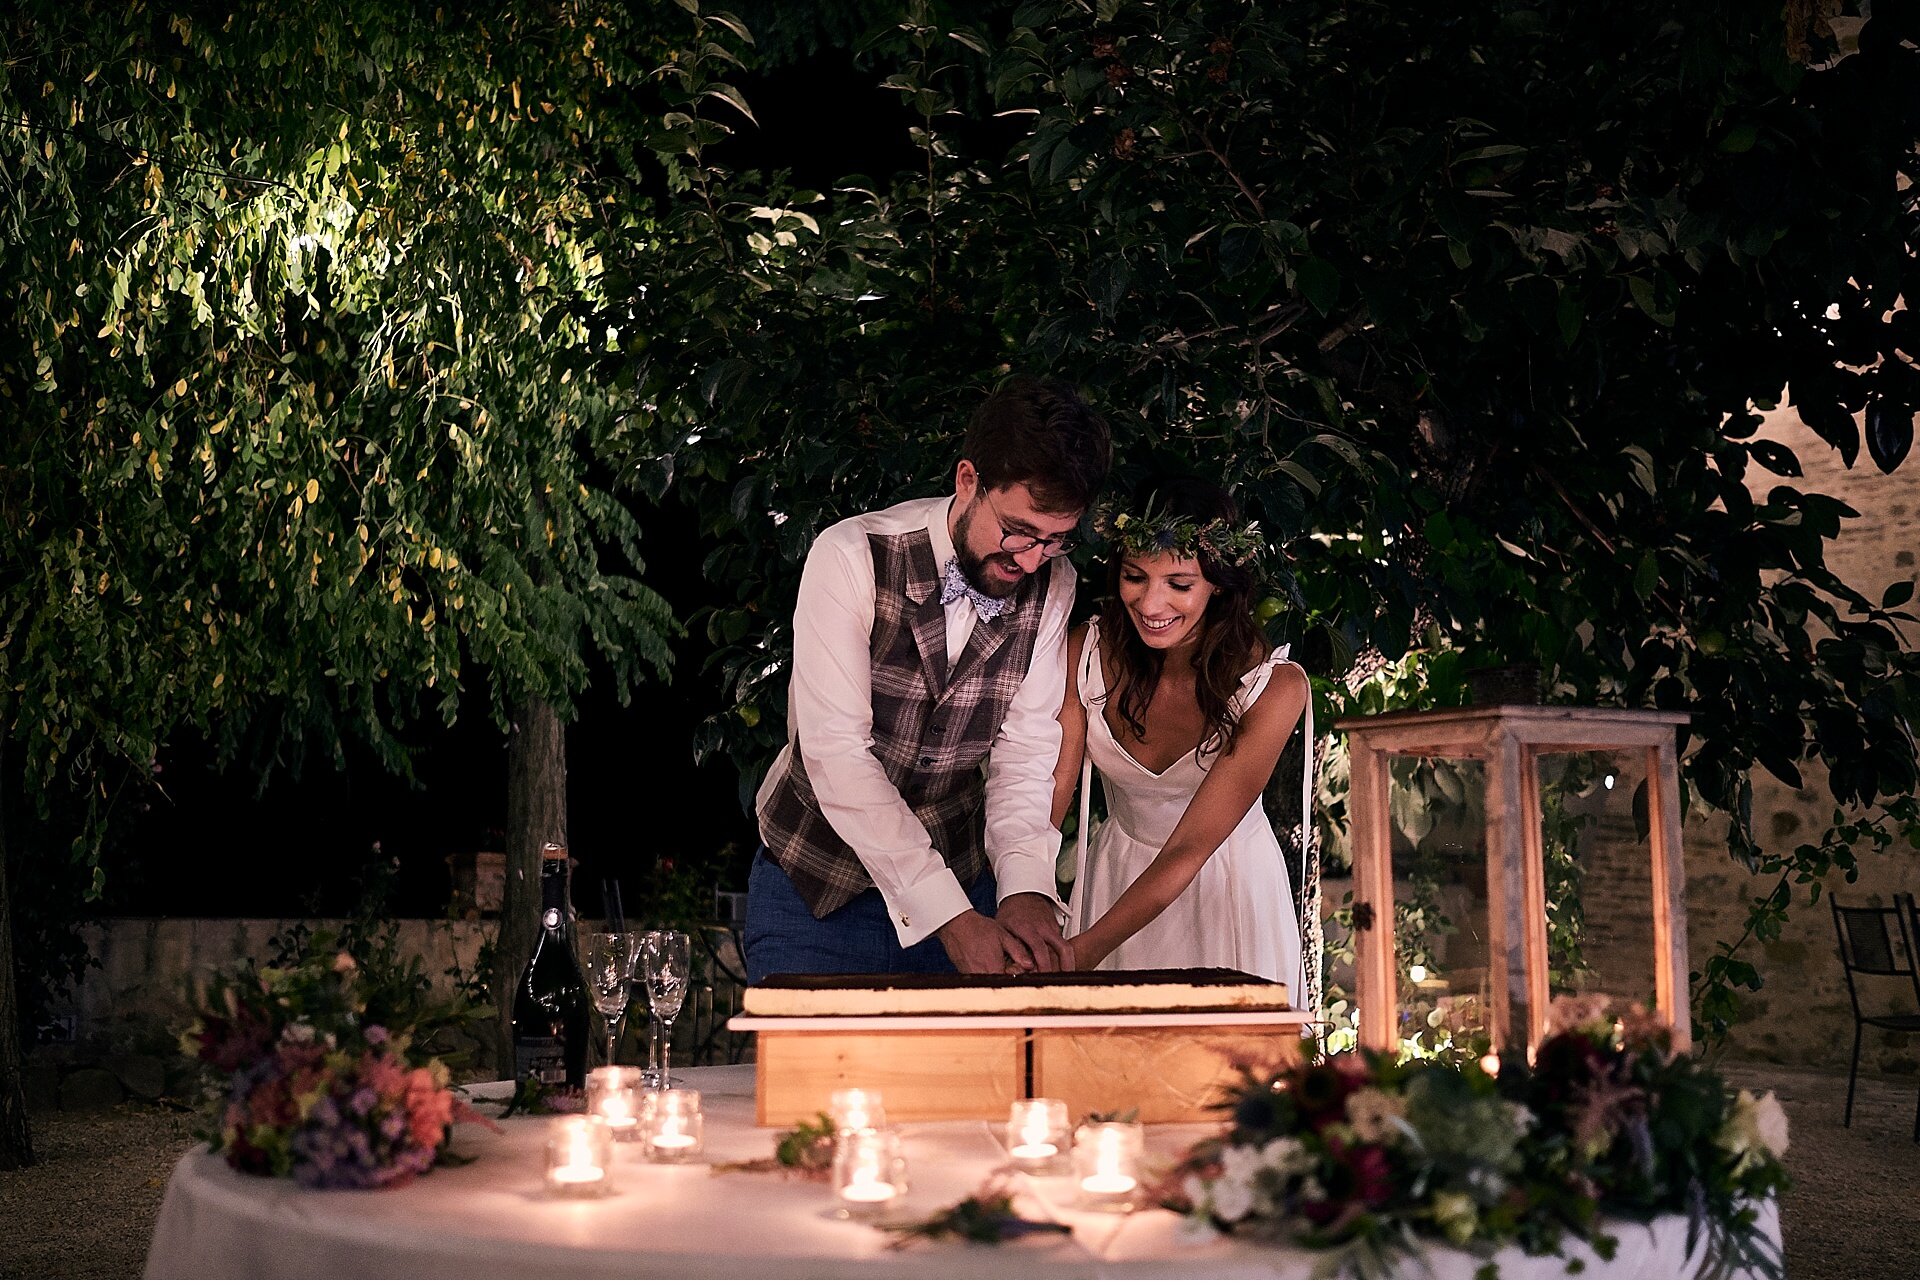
{"points": [[931, 729]]}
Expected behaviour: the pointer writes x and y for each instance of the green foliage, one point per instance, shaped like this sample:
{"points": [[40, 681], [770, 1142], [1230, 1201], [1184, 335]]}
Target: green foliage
{"points": [[302, 319], [986, 1217], [1474, 310], [808, 1145]]}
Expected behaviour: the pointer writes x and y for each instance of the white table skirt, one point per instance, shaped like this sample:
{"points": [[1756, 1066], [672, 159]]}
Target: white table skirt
{"points": [[494, 1219]]}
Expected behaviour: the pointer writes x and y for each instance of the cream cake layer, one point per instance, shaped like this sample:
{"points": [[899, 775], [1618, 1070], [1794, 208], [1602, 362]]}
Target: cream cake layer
{"points": [[1171, 990]]}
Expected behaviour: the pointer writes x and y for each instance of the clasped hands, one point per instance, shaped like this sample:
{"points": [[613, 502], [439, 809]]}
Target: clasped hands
{"points": [[1024, 937]]}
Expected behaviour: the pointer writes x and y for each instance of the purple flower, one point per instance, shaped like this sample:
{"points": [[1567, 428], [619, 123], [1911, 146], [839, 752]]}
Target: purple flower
{"points": [[376, 1034]]}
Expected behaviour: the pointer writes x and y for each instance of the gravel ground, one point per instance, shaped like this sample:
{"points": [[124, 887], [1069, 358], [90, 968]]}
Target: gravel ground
{"points": [[87, 1208], [1852, 1212]]}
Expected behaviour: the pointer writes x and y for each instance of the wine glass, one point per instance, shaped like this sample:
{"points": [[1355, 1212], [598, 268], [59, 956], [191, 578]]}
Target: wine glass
{"points": [[665, 957], [609, 967]]}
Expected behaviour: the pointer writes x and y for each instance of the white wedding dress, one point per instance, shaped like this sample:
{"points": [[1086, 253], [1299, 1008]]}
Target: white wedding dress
{"points": [[1239, 911]]}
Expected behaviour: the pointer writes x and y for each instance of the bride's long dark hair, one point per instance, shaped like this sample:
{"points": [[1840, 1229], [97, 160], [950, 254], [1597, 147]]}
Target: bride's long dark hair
{"points": [[1230, 640]]}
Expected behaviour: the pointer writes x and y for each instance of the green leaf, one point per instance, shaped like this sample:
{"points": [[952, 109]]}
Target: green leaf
{"points": [[732, 24], [1490, 153], [1640, 461], [1646, 575], [1319, 284], [1570, 312], [732, 97], [1646, 298]]}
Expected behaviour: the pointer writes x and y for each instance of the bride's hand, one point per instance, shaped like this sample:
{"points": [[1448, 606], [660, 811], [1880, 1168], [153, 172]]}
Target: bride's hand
{"points": [[1080, 954]]}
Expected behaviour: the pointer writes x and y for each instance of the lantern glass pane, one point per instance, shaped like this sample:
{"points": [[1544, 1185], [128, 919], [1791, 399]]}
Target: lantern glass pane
{"points": [[1442, 942], [1599, 881]]}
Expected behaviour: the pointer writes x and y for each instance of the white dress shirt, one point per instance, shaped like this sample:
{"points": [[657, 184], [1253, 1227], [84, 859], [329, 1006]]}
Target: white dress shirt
{"points": [[830, 713]]}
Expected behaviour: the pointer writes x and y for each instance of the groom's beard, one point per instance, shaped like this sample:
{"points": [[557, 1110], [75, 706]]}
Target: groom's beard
{"points": [[995, 584]]}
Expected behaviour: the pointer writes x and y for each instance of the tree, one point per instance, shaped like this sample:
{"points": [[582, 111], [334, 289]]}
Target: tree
{"points": [[1475, 309], [298, 316]]}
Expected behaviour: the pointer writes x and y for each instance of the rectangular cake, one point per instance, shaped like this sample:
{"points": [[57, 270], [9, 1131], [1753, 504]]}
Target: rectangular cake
{"points": [[941, 1047], [1170, 990]]}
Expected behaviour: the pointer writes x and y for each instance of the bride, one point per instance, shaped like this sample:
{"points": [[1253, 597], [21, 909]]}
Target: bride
{"points": [[1177, 702]]}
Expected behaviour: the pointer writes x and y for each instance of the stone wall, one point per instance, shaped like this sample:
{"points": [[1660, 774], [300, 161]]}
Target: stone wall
{"points": [[1801, 1013], [149, 968]]}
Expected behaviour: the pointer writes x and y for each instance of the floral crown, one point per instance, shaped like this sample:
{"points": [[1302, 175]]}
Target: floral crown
{"points": [[1154, 530]]}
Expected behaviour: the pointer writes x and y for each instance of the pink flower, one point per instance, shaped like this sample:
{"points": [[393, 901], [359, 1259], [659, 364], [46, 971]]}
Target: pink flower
{"points": [[429, 1108]]}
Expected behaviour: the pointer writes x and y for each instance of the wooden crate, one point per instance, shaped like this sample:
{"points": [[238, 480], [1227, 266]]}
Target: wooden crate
{"points": [[1167, 1066], [922, 1075], [1165, 1075]]}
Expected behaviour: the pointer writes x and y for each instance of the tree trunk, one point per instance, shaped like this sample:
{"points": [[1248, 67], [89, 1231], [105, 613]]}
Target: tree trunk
{"points": [[16, 1142], [536, 815]]}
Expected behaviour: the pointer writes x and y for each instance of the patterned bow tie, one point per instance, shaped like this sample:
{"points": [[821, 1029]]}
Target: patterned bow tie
{"points": [[955, 586]]}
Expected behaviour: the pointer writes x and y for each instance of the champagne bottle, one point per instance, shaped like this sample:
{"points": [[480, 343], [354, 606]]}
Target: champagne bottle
{"points": [[550, 1004]]}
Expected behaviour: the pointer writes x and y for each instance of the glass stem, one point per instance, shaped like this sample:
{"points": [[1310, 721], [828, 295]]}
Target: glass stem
{"points": [[666, 1054], [653, 1048]]}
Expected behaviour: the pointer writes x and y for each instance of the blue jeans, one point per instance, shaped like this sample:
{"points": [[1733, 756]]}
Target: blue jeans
{"points": [[782, 935]]}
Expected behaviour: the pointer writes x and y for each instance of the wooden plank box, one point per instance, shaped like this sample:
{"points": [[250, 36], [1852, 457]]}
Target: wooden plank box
{"points": [[1169, 1067]]}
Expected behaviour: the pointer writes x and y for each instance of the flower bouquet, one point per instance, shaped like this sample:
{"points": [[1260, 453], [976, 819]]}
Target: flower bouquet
{"points": [[317, 1072], [1370, 1158]]}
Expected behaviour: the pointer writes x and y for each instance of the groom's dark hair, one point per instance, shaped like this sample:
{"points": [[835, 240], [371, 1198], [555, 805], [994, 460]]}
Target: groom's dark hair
{"points": [[1038, 431]]}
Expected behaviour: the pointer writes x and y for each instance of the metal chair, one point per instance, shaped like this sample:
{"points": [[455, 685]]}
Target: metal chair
{"points": [[1868, 936], [721, 953]]}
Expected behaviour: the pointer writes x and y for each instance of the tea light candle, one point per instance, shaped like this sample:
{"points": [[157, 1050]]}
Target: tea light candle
{"points": [[672, 1124], [1491, 1064], [858, 1109], [1036, 1131], [869, 1170], [613, 1094], [1106, 1161], [579, 1156]]}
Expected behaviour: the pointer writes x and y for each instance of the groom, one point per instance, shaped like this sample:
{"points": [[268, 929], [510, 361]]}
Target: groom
{"points": [[930, 638]]}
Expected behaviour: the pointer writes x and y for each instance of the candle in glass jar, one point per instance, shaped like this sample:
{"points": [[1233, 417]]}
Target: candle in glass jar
{"points": [[613, 1094], [672, 1124], [869, 1170], [579, 1154], [1036, 1131], [858, 1109], [1106, 1160], [618, 1110]]}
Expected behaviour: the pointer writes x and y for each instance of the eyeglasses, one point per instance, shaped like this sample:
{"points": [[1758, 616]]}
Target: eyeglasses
{"points": [[1015, 543]]}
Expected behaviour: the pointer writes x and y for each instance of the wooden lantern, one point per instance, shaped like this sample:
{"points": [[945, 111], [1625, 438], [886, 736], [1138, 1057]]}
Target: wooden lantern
{"points": [[1510, 739]]}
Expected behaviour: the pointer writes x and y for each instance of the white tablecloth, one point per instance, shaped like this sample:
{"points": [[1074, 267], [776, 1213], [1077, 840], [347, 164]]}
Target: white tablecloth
{"points": [[493, 1218]]}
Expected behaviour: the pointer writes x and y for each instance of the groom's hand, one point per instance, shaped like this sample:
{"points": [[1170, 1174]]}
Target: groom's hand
{"points": [[976, 944], [1031, 919]]}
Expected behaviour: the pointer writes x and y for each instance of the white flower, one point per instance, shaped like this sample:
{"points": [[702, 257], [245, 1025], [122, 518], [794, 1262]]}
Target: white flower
{"points": [[1286, 1155], [1486, 1184], [1195, 1190], [1374, 1114], [1232, 1200], [1521, 1118], [1241, 1164], [1755, 1127], [1770, 1123], [296, 1033]]}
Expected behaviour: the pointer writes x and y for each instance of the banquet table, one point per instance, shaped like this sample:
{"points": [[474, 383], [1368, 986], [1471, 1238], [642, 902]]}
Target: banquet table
{"points": [[493, 1218]]}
